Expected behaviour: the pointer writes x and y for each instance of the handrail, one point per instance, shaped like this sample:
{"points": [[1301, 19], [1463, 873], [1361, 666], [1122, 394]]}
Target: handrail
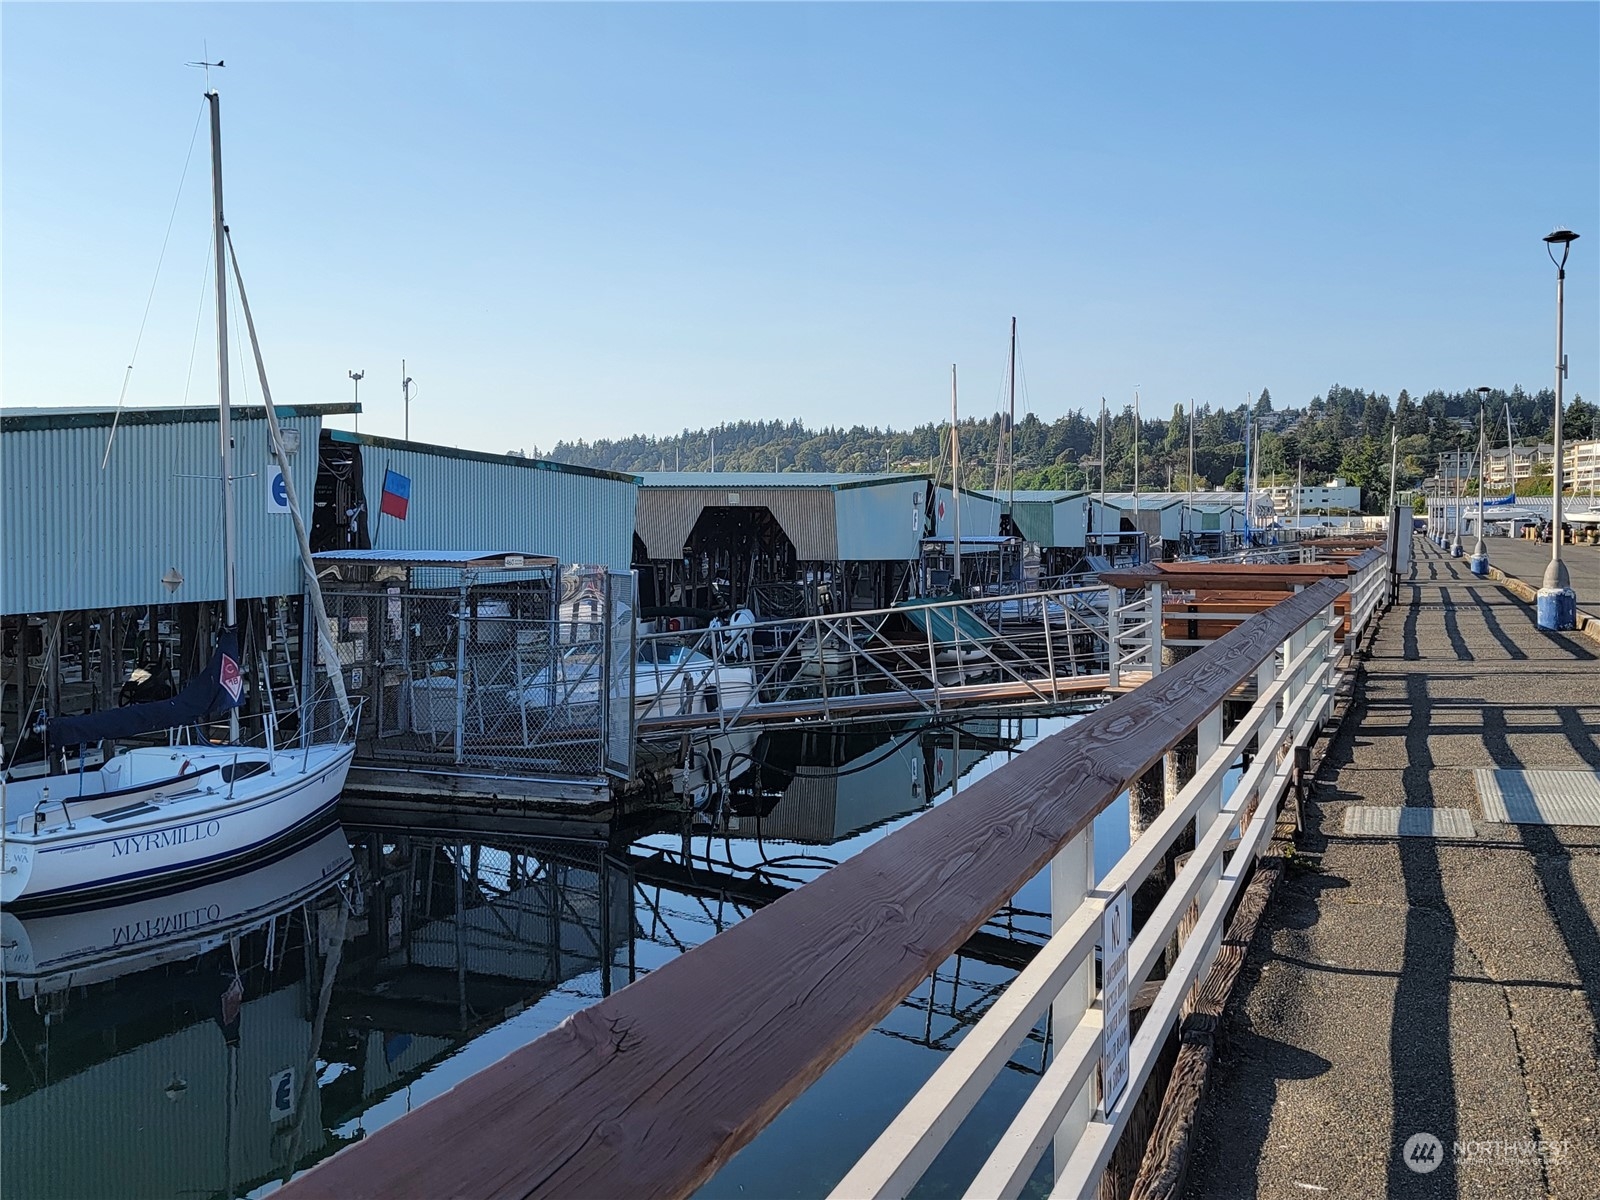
{"points": [[653, 1088], [912, 1141], [850, 655]]}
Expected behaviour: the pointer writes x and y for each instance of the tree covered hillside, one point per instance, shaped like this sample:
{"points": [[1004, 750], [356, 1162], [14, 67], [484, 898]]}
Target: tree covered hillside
{"points": [[1345, 432]]}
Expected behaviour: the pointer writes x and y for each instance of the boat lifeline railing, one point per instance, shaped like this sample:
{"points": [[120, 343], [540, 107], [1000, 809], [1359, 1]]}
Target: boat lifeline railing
{"points": [[651, 1090], [321, 722], [922, 656]]}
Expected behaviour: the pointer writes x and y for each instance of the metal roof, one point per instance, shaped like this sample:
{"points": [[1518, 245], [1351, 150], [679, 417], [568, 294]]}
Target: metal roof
{"points": [[834, 481], [499, 560], [17, 420], [513, 460], [1146, 500], [1045, 497]]}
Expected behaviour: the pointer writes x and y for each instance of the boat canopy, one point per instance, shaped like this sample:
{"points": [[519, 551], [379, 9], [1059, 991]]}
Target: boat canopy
{"points": [[938, 615], [217, 689]]}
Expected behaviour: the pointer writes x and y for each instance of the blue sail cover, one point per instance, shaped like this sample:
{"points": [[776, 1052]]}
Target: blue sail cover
{"points": [[217, 689], [1500, 503]]}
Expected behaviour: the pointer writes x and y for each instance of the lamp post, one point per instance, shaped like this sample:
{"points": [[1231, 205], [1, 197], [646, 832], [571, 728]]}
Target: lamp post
{"points": [[1557, 605], [1455, 542], [356, 377], [1480, 553]]}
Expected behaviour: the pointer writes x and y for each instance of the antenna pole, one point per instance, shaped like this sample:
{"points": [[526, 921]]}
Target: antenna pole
{"points": [[405, 395]]}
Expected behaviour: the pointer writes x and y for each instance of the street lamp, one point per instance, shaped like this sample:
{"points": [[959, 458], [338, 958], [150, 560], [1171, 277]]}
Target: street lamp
{"points": [[1557, 606], [356, 377], [1455, 544], [1480, 552]]}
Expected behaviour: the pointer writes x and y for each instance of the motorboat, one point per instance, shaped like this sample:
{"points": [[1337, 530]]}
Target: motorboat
{"points": [[669, 679]]}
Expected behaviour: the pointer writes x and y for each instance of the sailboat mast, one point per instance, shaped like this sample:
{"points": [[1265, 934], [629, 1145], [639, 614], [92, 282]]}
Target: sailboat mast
{"points": [[1102, 472], [1394, 462], [224, 426], [955, 473], [1511, 454], [224, 420], [1137, 430], [1483, 458], [1188, 490], [1249, 445], [1011, 421]]}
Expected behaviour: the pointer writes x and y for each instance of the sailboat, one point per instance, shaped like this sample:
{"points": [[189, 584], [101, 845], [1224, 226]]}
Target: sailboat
{"points": [[156, 813]]}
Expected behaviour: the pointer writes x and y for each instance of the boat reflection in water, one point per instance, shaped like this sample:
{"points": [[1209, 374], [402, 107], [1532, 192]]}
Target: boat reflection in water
{"points": [[165, 1045], [219, 1038], [212, 1041], [826, 785]]}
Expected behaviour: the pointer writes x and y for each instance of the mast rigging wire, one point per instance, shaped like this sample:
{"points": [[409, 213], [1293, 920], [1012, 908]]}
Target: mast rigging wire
{"points": [[127, 375]]}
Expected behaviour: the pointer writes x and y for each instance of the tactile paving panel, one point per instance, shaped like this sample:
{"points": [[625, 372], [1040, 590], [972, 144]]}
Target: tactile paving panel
{"points": [[1540, 797]]}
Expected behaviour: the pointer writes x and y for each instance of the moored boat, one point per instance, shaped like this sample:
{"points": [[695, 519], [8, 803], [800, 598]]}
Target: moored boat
{"points": [[155, 812]]}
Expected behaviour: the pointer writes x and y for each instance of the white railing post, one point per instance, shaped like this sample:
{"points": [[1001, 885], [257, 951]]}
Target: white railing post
{"points": [[1355, 606], [1208, 737], [1156, 618], [1113, 636], [1071, 879]]}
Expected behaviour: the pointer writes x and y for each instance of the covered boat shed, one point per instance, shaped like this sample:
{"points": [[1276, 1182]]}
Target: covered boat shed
{"points": [[1159, 516], [980, 513], [1057, 522], [468, 497], [1215, 527], [781, 543], [111, 524]]}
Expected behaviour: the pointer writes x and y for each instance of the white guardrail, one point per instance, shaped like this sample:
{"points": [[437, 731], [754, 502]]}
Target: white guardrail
{"points": [[1294, 688]]}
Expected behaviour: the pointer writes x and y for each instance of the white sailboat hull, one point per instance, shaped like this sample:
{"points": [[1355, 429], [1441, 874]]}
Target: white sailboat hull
{"points": [[54, 950], [75, 857]]}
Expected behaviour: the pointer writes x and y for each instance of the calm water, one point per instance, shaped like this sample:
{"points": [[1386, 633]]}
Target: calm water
{"points": [[212, 1042]]}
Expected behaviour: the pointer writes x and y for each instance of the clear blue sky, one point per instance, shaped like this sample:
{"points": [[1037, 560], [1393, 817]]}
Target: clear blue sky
{"points": [[592, 220]]}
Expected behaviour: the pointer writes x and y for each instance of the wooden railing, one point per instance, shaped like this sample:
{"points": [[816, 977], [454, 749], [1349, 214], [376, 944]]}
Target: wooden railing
{"points": [[649, 1091], [1202, 601]]}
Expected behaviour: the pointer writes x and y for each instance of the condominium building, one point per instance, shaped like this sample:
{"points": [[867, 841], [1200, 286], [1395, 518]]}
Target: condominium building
{"points": [[1335, 496], [1580, 464], [1509, 467]]}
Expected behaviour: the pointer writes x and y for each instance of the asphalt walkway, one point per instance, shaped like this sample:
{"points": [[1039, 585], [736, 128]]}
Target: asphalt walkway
{"points": [[1526, 560], [1436, 993]]}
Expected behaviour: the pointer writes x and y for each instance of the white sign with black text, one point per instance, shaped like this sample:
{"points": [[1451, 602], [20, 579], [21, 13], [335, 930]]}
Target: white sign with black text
{"points": [[1114, 1001]]}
